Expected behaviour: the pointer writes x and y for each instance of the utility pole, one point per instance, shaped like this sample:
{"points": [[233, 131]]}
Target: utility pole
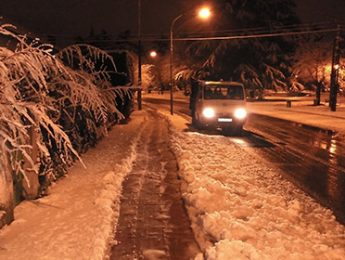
{"points": [[335, 72], [139, 55], [317, 100], [172, 63]]}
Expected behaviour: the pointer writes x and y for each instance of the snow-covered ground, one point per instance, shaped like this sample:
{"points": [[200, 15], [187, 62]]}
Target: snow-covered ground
{"points": [[240, 208], [305, 113], [77, 218], [243, 209]]}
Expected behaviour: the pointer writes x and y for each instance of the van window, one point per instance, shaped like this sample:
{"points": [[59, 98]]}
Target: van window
{"points": [[223, 92]]}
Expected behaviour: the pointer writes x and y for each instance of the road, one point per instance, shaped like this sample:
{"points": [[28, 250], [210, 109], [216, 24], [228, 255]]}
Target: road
{"points": [[312, 159]]}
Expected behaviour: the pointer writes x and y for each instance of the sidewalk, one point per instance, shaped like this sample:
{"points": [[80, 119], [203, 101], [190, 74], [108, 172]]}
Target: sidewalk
{"points": [[303, 112]]}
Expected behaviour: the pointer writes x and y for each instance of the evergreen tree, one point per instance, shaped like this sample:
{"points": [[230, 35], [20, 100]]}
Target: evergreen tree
{"points": [[258, 62]]}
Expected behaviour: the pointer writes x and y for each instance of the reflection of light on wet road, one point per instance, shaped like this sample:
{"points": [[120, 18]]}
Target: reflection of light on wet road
{"points": [[320, 154], [323, 145], [334, 186], [333, 147], [329, 145], [240, 141], [249, 139]]}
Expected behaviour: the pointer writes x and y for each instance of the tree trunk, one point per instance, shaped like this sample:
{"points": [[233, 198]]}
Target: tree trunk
{"points": [[6, 196], [31, 186], [318, 94]]}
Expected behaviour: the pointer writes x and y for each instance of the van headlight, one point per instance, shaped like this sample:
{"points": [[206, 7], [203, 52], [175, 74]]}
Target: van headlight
{"points": [[240, 113], [208, 112]]}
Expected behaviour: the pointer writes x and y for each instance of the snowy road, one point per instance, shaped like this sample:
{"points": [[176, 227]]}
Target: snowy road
{"points": [[153, 223]]}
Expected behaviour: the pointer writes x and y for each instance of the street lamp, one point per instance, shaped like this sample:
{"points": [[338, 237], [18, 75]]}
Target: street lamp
{"points": [[139, 57], [153, 54], [204, 13]]}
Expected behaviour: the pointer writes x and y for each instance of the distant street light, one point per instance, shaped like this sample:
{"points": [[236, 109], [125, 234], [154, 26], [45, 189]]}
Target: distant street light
{"points": [[153, 54], [204, 13]]}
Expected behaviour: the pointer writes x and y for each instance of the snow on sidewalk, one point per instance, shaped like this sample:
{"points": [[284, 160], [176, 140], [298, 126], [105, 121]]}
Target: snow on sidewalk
{"points": [[303, 112], [243, 209], [77, 219]]}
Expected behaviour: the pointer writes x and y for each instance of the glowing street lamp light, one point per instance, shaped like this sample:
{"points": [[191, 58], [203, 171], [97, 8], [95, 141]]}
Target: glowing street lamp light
{"points": [[204, 13], [153, 54]]}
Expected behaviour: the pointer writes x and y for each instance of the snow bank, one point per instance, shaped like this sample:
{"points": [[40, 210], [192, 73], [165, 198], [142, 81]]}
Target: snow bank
{"points": [[242, 209]]}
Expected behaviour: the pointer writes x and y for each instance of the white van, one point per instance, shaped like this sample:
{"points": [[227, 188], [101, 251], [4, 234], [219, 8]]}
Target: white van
{"points": [[218, 104]]}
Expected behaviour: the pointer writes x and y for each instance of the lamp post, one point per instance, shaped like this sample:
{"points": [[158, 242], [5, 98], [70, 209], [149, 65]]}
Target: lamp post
{"points": [[334, 84], [139, 55], [171, 63], [204, 13]]}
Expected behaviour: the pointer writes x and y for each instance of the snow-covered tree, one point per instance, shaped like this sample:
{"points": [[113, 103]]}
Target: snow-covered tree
{"points": [[40, 98], [92, 91], [260, 62], [25, 109], [150, 77], [313, 57]]}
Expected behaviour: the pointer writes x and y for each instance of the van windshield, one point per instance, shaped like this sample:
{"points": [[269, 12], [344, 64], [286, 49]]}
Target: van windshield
{"points": [[223, 92]]}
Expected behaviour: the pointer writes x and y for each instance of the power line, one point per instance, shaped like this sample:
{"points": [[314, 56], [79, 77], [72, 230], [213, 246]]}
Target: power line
{"points": [[254, 30], [247, 33], [262, 35], [274, 28], [232, 37]]}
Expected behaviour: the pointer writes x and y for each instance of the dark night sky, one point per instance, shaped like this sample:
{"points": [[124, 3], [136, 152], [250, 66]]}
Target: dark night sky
{"points": [[77, 17]]}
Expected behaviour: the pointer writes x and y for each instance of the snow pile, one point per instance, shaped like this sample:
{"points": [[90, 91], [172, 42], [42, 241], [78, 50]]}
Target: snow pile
{"points": [[110, 194], [242, 209], [77, 219]]}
